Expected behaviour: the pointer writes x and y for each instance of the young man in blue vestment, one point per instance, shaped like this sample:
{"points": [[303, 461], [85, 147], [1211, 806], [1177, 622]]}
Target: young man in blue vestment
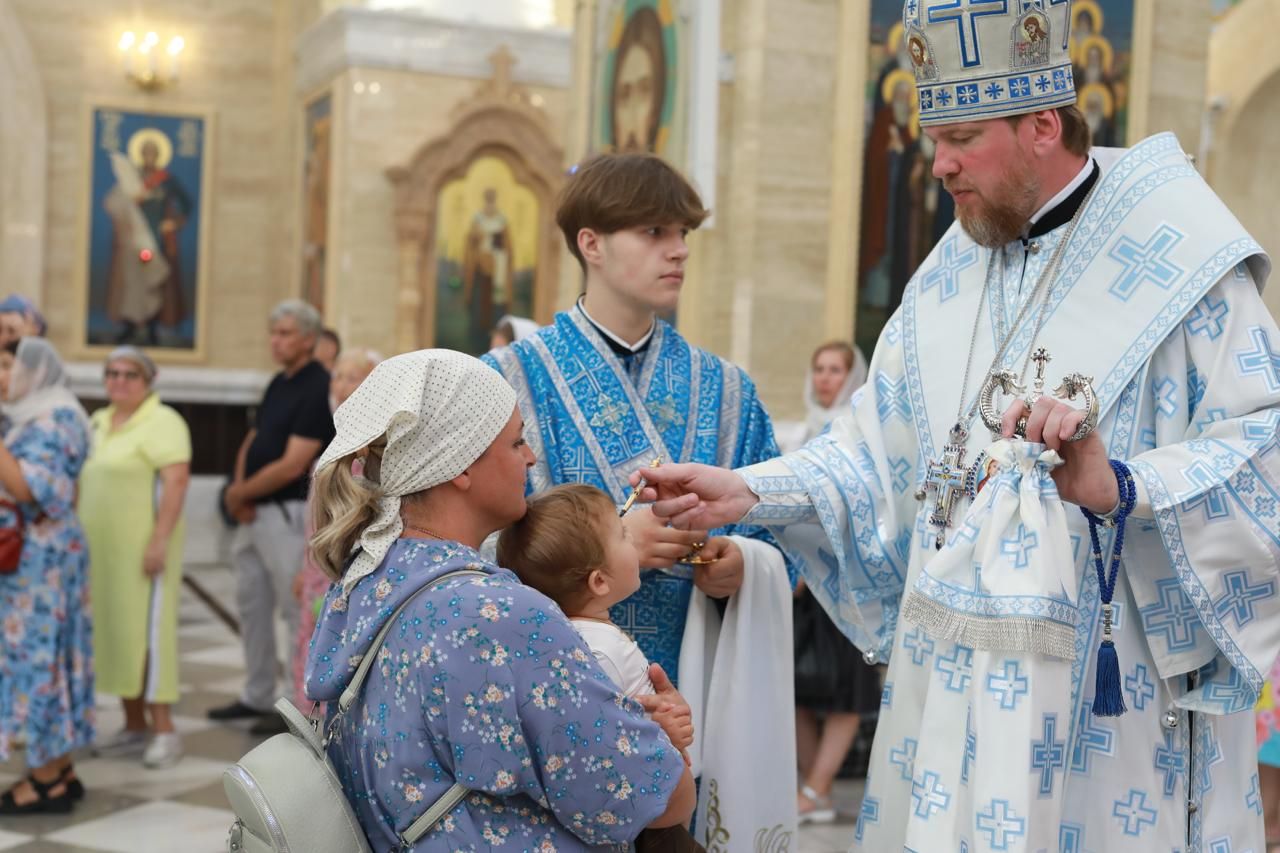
{"points": [[607, 389], [1079, 682]]}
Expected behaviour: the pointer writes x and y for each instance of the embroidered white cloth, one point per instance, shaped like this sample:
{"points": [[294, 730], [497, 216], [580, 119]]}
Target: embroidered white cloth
{"points": [[1006, 579], [742, 715], [440, 411]]}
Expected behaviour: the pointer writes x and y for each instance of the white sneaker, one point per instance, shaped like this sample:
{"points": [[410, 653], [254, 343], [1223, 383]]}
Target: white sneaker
{"points": [[123, 742], [164, 750]]}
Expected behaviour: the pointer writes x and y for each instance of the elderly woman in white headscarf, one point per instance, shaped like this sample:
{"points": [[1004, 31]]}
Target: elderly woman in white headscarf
{"points": [[482, 681], [46, 670]]}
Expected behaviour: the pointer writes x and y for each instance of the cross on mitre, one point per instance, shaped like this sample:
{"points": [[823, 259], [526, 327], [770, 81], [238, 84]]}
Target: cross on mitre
{"points": [[1006, 382]]}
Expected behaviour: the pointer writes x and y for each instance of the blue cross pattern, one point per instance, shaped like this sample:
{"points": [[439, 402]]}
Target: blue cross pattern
{"points": [[1145, 262], [869, 813], [1048, 754], [1172, 615], [957, 670], [1043, 83], [891, 397], [1166, 394], [1196, 386], [1253, 799], [1093, 738], [970, 746], [1262, 428], [1260, 361], [1070, 838], [1239, 597], [994, 91], [1211, 417], [1001, 824], [1008, 686], [929, 795], [886, 695], [919, 644], [1019, 546], [965, 14], [1210, 754], [967, 93], [1141, 689], [1061, 82], [905, 758], [945, 275], [1220, 845], [1206, 318], [1134, 813], [1233, 695], [1020, 87], [901, 470], [1170, 761], [578, 466]]}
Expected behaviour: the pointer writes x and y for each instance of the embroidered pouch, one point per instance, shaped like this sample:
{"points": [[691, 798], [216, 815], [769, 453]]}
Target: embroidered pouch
{"points": [[1005, 579]]}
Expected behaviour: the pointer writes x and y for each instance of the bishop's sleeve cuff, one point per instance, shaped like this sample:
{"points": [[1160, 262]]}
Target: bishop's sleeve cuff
{"points": [[783, 498]]}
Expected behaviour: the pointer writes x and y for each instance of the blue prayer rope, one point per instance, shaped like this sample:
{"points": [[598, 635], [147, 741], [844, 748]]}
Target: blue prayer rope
{"points": [[1108, 700]]}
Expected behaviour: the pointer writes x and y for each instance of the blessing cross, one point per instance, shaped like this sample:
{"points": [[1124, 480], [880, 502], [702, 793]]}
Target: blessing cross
{"points": [[947, 479]]}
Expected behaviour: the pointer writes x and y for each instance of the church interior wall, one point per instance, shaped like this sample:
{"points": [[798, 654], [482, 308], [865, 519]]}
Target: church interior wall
{"points": [[1244, 102], [231, 66], [378, 131], [23, 145]]}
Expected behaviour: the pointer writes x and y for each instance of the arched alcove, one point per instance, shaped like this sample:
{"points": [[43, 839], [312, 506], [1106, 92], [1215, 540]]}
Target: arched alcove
{"points": [[499, 122]]}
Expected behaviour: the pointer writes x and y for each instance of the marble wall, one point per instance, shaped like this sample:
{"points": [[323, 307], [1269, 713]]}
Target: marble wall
{"points": [[23, 144], [236, 62]]}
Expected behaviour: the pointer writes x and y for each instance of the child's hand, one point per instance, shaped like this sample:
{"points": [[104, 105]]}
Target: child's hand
{"points": [[677, 722]]}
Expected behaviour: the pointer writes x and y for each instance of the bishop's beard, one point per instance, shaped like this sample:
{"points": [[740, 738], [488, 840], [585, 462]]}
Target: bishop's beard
{"points": [[998, 217]]}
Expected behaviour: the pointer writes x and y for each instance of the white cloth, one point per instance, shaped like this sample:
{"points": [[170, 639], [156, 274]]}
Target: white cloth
{"points": [[37, 386], [1157, 299], [618, 655], [521, 327], [440, 410], [1005, 581], [743, 719]]}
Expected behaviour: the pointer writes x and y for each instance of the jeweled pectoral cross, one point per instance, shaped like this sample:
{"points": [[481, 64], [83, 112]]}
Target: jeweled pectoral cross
{"points": [[948, 480], [1006, 381]]}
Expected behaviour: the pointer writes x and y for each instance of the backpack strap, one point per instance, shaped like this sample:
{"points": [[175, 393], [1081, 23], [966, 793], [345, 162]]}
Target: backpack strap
{"points": [[438, 810], [366, 663]]}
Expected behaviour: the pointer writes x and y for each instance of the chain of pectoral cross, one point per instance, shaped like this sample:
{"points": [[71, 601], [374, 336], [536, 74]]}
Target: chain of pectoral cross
{"points": [[949, 477]]}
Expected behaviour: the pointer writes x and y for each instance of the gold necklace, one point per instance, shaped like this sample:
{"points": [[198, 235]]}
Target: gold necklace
{"points": [[416, 529]]}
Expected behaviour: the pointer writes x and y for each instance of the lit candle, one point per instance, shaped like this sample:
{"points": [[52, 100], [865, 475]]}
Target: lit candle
{"points": [[127, 40], [176, 44]]}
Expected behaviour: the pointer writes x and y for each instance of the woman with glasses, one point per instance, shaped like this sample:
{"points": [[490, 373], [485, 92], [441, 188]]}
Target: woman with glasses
{"points": [[131, 496]]}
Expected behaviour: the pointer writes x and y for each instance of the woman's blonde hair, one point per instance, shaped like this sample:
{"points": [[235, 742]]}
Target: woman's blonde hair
{"points": [[343, 504]]}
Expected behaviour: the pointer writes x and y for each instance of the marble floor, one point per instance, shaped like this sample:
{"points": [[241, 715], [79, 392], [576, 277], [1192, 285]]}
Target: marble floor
{"points": [[131, 809]]}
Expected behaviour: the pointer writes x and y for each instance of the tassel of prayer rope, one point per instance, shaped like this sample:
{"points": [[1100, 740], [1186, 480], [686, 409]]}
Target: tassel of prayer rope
{"points": [[1108, 700]]}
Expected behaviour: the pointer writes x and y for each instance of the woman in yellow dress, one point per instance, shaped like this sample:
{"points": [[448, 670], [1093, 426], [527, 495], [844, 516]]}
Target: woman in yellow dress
{"points": [[131, 495]]}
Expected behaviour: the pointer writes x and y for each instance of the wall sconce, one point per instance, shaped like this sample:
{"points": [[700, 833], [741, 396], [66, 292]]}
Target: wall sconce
{"points": [[142, 63]]}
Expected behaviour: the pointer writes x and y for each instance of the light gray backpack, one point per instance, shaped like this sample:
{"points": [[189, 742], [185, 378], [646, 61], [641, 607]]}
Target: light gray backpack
{"points": [[286, 794]]}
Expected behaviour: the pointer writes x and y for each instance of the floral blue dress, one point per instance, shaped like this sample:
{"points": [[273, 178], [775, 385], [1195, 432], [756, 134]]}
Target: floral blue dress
{"points": [[484, 681], [46, 660]]}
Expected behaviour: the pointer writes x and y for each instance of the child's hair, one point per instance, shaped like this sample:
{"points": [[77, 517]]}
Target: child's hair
{"points": [[559, 542], [611, 192]]}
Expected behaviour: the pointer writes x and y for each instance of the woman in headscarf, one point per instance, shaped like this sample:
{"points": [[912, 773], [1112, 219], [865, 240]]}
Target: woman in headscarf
{"points": [[482, 681], [132, 492], [511, 329], [834, 686], [46, 664]]}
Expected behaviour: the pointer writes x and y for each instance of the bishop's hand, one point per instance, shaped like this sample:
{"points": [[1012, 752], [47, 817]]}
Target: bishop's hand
{"points": [[693, 496], [1085, 478]]}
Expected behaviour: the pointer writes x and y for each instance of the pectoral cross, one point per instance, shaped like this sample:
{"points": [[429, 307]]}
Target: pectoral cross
{"points": [[948, 480]]}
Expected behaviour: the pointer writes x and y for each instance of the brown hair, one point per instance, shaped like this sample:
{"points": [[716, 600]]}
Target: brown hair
{"points": [[1076, 137], [610, 192], [559, 542], [643, 31], [845, 350]]}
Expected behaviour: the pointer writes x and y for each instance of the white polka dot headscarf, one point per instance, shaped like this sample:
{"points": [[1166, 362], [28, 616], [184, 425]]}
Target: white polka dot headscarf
{"points": [[440, 411]]}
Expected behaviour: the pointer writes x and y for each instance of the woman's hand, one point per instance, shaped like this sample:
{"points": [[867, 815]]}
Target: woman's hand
{"points": [[153, 558]]}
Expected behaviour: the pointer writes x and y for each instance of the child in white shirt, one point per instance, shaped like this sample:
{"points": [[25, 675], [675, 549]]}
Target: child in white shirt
{"points": [[573, 548]]}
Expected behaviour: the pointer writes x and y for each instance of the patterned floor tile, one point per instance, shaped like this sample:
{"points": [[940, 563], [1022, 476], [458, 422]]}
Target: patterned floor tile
{"points": [[129, 775], [9, 840], [153, 828]]}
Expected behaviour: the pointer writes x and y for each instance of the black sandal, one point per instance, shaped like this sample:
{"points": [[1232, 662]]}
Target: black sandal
{"points": [[44, 802], [74, 786]]}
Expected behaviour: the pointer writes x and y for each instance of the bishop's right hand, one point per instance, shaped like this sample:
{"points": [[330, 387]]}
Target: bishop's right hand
{"points": [[692, 496]]}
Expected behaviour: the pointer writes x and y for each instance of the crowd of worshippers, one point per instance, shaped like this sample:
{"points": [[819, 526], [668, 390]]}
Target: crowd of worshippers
{"points": [[568, 643]]}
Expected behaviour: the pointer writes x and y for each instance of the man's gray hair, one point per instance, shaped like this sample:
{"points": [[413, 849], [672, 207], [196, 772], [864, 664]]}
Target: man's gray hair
{"points": [[303, 313]]}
